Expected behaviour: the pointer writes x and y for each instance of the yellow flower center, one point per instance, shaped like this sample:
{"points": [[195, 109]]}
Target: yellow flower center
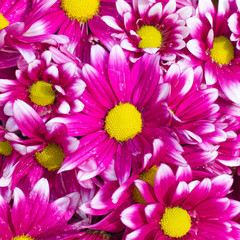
{"points": [[81, 10], [148, 177], [175, 222], [23, 237], [222, 51], [123, 122], [151, 37], [3, 22], [5, 148], [42, 93], [51, 157]]}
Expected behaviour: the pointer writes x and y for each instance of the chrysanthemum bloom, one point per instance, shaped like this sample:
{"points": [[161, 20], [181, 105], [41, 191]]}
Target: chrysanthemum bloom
{"points": [[44, 146], [50, 88], [124, 110], [73, 18], [213, 48], [33, 216], [175, 208], [149, 27]]}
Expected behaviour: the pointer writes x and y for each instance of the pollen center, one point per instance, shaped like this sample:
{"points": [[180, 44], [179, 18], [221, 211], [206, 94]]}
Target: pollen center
{"points": [[81, 10], [51, 157], [123, 122], [5, 148], [3, 22], [151, 37], [147, 176], [222, 51], [23, 237], [42, 93], [175, 222]]}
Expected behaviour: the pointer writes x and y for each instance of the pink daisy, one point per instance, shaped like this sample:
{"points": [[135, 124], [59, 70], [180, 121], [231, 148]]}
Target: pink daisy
{"points": [[121, 117], [33, 217], [147, 26], [213, 48], [50, 88], [178, 209], [44, 147]]}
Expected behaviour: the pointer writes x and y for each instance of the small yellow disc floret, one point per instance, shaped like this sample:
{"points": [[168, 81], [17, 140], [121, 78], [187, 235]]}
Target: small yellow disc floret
{"points": [[147, 176], [151, 37], [51, 157], [3, 22], [81, 10], [175, 222], [123, 122], [42, 93], [23, 237], [5, 148], [222, 52]]}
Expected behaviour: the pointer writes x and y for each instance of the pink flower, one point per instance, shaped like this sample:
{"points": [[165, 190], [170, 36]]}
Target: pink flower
{"points": [[50, 88], [147, 26], [212, 47], [44, 147], [176, 208]]}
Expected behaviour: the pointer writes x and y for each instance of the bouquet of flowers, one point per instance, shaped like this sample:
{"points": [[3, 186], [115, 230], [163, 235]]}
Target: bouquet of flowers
{"points": [[120, 119]]}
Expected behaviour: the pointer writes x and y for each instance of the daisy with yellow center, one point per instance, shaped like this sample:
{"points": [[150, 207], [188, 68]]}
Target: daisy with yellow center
{"points": [[174, 211], [213, 45]]}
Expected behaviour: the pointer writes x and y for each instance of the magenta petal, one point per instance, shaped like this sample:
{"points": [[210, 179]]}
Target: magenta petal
{"points": [[89, 147], [59, 212], [198, 194], [102, 198], [146, 190], [212, 208], [206, 7], [133, 216], [94, 81], [198, 49], [180, 194], [123, 162], [28, 121], [221, 185], [154, 213], [20, 212], [211, 68], [163, 180], [230, 85], [119, 74]]}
